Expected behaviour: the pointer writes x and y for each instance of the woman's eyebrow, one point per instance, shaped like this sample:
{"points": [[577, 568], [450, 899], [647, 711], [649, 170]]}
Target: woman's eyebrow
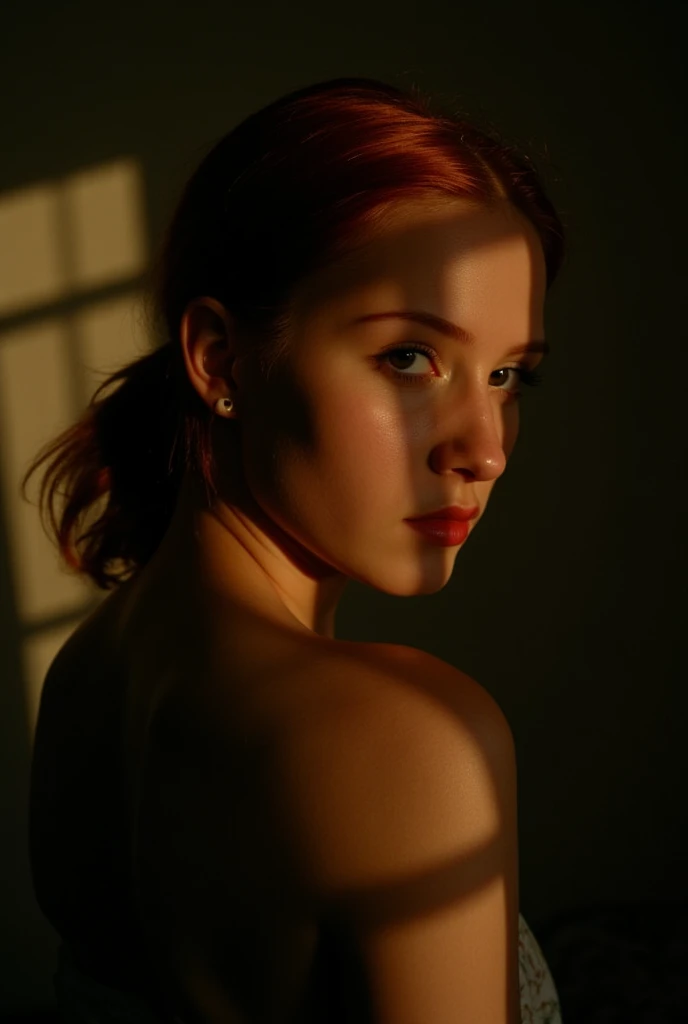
{"points": [[451, 330]]}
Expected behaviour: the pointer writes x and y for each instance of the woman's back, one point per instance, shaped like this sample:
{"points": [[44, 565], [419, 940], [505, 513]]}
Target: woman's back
{"points": [[148, 825], [168, 741]]}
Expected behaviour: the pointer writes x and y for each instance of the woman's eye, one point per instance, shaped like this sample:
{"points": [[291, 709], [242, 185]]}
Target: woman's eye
{"points": [[508, 374], [408, 354]]}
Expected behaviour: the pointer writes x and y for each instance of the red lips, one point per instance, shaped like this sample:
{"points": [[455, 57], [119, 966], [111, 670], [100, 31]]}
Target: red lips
{"points": [[455, 512]]}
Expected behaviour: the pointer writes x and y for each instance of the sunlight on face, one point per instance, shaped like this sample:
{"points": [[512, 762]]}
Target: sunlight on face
{"points": [[360, 431]]}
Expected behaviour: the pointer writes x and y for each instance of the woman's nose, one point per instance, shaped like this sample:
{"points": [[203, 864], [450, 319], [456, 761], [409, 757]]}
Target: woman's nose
{"points": [[479, 438]]}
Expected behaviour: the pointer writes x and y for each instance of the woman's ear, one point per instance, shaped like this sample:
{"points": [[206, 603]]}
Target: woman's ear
{"points": [[208, 348]]}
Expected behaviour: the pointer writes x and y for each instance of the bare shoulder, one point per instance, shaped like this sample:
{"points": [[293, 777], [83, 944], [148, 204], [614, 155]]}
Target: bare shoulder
{"points": [[399, 744], [399, 803], [398, 682]]}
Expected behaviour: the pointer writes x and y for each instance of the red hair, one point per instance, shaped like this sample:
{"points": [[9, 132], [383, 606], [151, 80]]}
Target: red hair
{"points": [[294, 187]]}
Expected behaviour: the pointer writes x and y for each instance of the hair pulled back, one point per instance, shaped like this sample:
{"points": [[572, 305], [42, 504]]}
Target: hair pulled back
{"points": [[294, 187]]}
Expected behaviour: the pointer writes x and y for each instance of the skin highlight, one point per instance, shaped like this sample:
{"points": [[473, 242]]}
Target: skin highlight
{"points": [[327, 457]]}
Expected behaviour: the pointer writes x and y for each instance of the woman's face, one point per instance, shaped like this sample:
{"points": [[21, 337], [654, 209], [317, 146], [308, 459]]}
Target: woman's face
{"points": [[339, 450]]}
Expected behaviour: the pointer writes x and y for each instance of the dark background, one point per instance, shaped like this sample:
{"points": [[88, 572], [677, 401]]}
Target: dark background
{"points": [[568, 604]]}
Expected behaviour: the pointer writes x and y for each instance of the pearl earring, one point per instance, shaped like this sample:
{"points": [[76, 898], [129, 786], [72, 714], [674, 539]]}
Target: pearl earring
{"points": [[224, 406]]}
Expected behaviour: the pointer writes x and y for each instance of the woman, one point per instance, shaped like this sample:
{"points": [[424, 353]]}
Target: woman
{"points": [[236, 816]]}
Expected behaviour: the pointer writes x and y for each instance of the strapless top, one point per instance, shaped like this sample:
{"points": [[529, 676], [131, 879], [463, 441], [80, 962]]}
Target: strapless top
{"points": [[83, 1000]]}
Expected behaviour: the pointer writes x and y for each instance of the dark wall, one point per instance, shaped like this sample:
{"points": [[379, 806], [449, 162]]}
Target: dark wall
{"points": [[567, 603]]}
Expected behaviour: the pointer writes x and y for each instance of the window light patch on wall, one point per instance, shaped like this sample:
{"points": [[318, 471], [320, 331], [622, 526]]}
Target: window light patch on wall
{"points": [[59, 238], [72, 256]]}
